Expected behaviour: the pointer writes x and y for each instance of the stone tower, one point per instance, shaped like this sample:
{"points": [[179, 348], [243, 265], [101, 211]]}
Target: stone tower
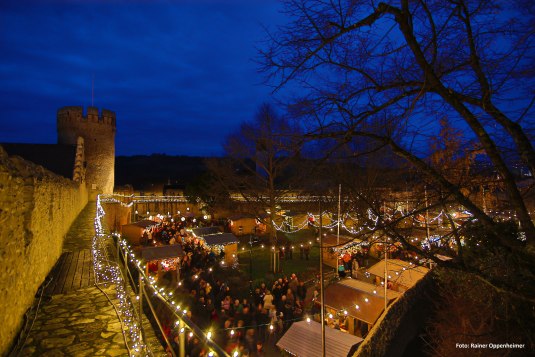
{"points": [[98, 133]]}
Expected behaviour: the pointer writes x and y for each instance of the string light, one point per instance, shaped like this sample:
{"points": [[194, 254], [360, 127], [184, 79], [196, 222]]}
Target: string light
{"points": [[104, 270], [108, 273]]}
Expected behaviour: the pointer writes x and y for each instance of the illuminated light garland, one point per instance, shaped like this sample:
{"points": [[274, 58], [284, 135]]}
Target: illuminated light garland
{"points": [[371, 216], [180, 312], [108, 273]]}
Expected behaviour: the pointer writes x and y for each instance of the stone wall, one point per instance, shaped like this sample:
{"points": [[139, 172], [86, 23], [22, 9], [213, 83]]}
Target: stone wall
{"points": [[37, 208], [98, 131]]}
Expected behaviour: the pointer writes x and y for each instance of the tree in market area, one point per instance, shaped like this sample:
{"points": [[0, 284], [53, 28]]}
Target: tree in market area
{"points": [[258, 168], [388, 72]]}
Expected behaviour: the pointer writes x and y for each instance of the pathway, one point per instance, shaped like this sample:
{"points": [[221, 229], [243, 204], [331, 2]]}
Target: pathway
{"points": [[75, 317]]}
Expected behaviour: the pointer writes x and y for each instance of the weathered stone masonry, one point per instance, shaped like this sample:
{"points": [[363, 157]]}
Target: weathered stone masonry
{"points": [[98, 132], [37, 208]]}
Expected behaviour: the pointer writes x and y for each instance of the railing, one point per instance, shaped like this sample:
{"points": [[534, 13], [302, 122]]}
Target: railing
{"points": [[149, 292], [130, 308]]}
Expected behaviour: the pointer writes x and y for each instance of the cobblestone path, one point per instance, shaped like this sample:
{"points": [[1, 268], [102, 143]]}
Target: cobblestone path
{"points": [[83, 321]]}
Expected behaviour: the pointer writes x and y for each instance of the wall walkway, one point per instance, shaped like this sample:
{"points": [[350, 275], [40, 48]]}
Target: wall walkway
{"points": [[77, 318]]}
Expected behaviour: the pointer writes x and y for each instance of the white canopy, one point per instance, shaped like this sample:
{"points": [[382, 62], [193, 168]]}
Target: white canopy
{"points": [[399, 271], [304, 339]]}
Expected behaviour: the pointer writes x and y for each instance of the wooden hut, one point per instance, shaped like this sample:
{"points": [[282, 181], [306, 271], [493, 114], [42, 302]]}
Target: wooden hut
{"points": [[242, 224], [335, 246], [402, 274], [215, 239], [159, 254], [358, 302], [134, 232]]}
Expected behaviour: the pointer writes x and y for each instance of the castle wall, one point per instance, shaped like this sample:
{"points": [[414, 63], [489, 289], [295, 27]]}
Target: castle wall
{"points": [[98, 132], [37, 208]]}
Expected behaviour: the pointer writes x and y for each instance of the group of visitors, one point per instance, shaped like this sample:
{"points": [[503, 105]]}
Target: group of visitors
{"points": [[238, 324]]}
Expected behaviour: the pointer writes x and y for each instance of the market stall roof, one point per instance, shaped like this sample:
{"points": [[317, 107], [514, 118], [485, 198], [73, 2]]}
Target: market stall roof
{"points": [[399, 271], [162, 252], [143, 224], [304, 339], [331, 239], [342, 297], [220, 239], [370, 288], [203, 231]]}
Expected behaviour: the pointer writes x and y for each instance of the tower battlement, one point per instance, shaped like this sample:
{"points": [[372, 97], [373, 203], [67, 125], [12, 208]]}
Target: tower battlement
{"points": [[76, 114], [98, 133]]}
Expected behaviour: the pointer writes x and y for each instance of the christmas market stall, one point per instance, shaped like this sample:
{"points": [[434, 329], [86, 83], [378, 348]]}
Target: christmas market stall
{"points": [[204, 231], [241, 224], [402, 275], [304, 339], [162, 259], [138, 232], [354, 306], [219, 242], [340, 249]]}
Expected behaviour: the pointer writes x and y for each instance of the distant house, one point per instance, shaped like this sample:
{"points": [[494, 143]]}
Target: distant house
{"points": [[174, 189], [125, 190]]}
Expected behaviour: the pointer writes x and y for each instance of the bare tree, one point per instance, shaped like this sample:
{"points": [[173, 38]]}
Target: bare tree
{"points": [[261, 156], [387, 72], [382, 70]]}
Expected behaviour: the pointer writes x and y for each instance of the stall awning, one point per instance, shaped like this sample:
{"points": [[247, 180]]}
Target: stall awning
{"points": [[344, 298], [399, 271], [304, 339], [203, 231], [369, 288], [220, 239], [162, 252]]}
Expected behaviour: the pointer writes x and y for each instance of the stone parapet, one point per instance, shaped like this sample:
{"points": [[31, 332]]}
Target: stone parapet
{"points": [[37, 208]]}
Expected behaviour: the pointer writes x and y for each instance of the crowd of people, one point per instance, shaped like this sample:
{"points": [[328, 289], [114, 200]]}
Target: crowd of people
{"points": [[238, 324]]}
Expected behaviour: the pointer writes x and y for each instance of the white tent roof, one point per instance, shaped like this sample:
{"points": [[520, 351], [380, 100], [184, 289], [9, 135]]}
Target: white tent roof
{"points": [[399, 271], [303, 339], [369, 288]]}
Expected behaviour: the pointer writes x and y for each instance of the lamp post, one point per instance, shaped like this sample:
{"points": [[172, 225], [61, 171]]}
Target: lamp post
{"points": [[322, 295], [251, 263]]}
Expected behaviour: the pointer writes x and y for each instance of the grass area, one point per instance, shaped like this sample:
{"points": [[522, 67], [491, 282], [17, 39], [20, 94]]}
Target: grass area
{"points": [[260, 256]]}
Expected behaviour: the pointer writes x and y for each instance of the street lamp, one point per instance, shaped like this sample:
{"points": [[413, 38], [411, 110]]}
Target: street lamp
{"points": [[251, 263]]}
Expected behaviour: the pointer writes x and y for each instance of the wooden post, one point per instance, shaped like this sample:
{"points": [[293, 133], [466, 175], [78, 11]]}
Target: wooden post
{"points": [[182, 339], [140, 289]]}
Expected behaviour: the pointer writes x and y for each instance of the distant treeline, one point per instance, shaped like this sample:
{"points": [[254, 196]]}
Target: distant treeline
{"points": [[141, 170]]}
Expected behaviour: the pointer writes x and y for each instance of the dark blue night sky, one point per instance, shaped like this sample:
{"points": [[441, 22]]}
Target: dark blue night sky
{"points": [[179, 74]]}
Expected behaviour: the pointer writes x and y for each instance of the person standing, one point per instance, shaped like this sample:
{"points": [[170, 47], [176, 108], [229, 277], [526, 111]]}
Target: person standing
{"points": [[354, 268]]}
